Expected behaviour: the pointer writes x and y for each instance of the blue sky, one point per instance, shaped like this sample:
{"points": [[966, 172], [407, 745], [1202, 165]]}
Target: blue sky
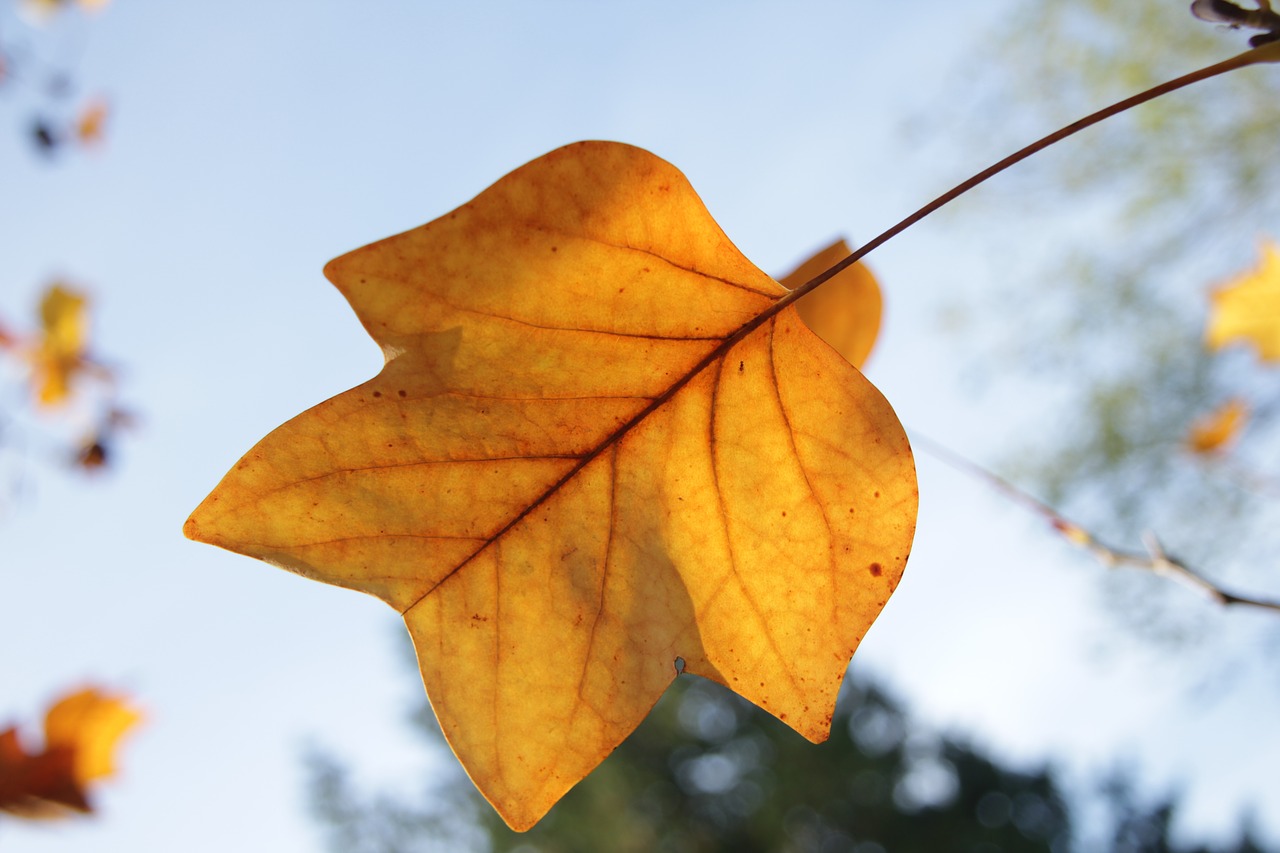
{"points": [[250, 143]]}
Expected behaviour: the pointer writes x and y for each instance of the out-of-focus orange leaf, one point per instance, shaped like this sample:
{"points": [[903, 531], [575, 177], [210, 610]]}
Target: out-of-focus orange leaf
{"points": [[845, 311], [59, 355], [90, 723], [46, 9], [81, 734], [1215, 431], [43, 10], [92, 122], [599, 451], [1247, 308]]}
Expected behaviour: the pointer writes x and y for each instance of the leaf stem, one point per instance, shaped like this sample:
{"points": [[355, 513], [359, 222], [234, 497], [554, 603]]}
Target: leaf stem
{"points": [[1266, 53]]}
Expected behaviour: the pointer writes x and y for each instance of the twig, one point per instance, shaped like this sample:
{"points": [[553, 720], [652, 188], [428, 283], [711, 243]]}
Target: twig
{"points": [[1234, 17], [1153, 560]]}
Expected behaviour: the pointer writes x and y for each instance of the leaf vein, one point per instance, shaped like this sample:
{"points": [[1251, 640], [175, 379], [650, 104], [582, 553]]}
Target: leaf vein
{"points": [[360, 537], [604, 570], [724, 515], [578, 329], [417, 463], [652, 254], [714, 356], [791, 440]]}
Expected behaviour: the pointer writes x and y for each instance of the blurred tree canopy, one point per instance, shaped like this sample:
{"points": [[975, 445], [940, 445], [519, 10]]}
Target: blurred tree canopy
{"points": [[708, 771]]}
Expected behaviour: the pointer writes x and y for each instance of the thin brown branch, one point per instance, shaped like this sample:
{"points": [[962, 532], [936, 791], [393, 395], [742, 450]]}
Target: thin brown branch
{"points": [[1153, 560]]}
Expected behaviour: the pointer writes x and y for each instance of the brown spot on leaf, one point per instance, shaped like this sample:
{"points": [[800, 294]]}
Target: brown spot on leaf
{"points": [[875, 569]]}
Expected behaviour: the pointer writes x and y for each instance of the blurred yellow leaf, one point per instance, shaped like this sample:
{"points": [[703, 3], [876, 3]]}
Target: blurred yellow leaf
{"points": [[1216, 430], [599, 451], [82, 734], [59, 355], [90, 723], [1247, 308], [845, 311]]}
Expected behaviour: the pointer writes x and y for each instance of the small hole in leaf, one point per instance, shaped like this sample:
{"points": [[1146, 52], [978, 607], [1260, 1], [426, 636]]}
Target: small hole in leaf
{"points": [[679, 665]]}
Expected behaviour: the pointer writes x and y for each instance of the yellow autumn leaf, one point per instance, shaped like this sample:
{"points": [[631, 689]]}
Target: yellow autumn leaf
{"points": [[1215, 431], [845, 311], [598, 451], [82, 732], [1247, 308], [91, 723], [59, 354]]}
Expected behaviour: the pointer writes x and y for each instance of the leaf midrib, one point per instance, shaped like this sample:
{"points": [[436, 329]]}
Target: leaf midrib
{"points": [[716, 354]]}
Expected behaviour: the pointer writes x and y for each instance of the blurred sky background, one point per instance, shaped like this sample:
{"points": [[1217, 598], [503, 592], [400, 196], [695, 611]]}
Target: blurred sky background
{"points": [[249, 143]]}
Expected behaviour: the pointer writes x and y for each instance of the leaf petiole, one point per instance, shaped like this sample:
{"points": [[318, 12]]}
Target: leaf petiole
{"points": [[1269, 52]]}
